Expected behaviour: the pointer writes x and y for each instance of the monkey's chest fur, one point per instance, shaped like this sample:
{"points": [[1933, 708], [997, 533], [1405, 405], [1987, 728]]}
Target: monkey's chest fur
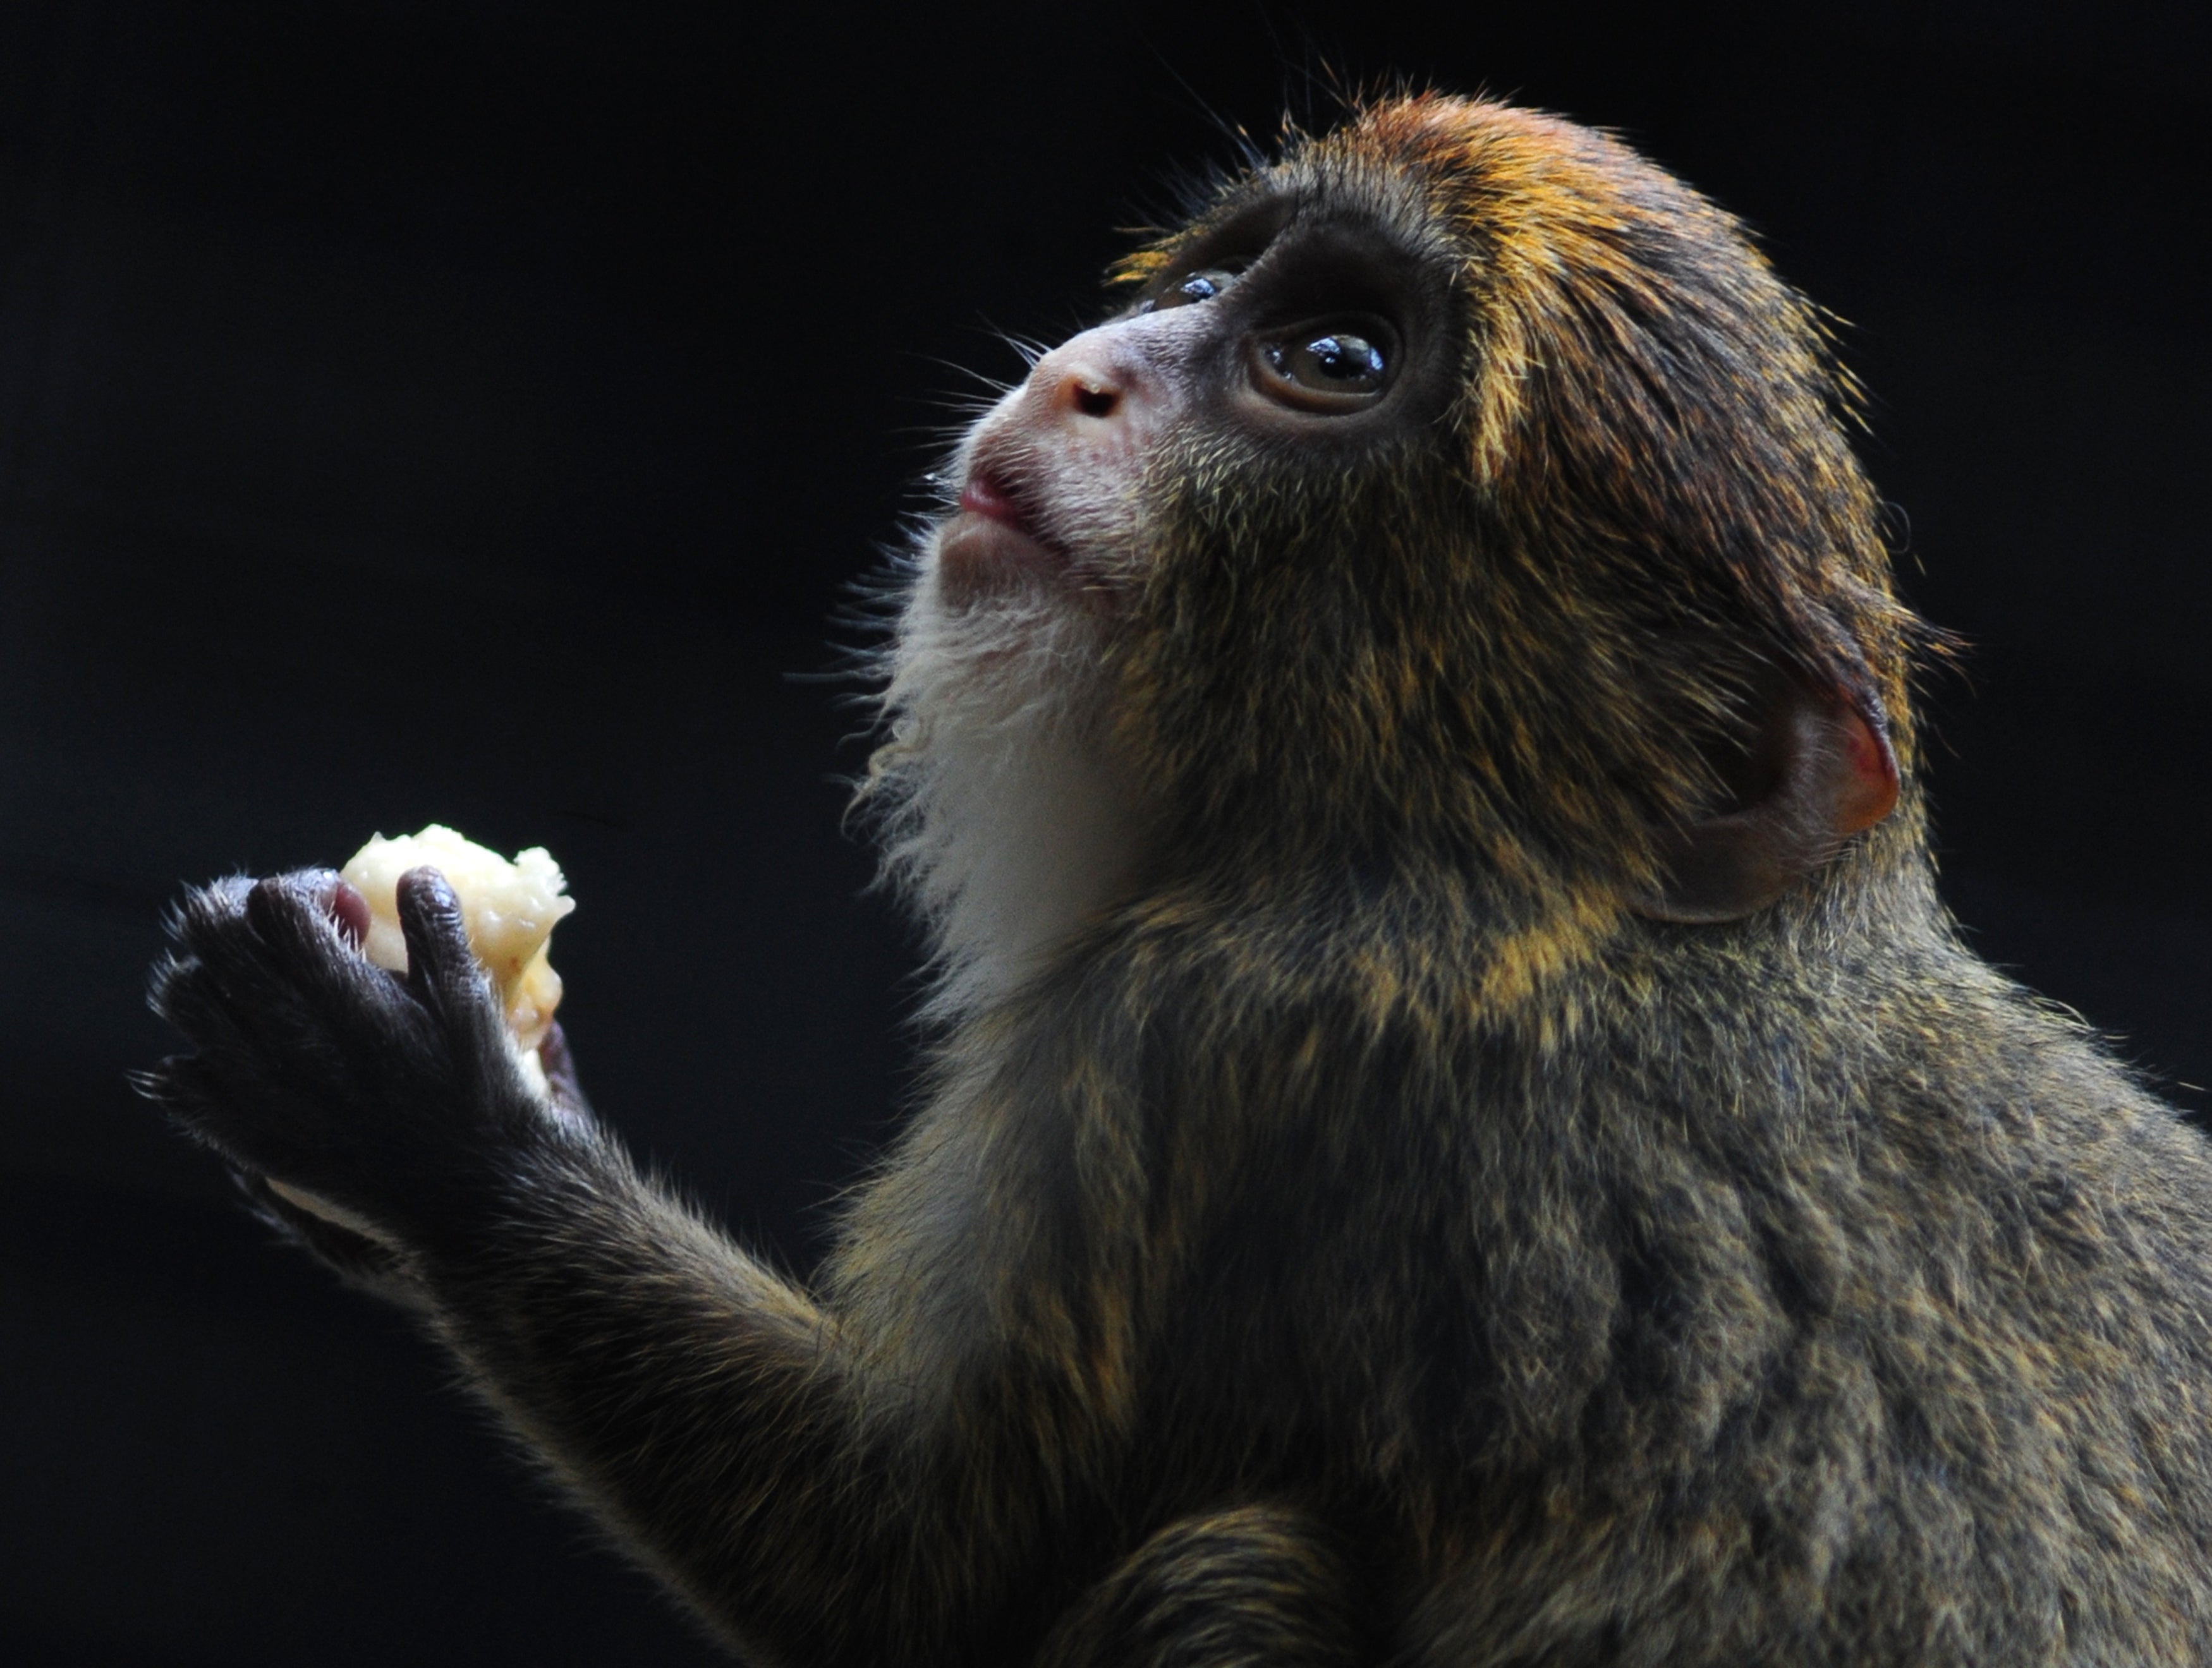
{"points": [[1625, 1309]]}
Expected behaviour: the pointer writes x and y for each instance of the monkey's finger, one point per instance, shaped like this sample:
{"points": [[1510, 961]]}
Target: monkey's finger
{"points": [[218, 901], [353, 1254], [558, 1059], [441, 969], [204, 915], [158, 1083], [192, 1096], [209, 1099], [431, 921], [264, 987], [262, 969], [198, 1000], [214, 930], [560, 1063], [295, 917]]}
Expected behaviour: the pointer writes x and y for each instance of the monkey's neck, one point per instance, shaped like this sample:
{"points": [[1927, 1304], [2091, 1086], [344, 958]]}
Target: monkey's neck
{"points": [[1023, 848], [1007, 838]]}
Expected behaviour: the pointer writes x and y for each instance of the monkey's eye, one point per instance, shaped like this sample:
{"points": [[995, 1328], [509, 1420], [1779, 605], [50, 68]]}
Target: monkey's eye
{"points": [[1323, 369], [1198, 287]]}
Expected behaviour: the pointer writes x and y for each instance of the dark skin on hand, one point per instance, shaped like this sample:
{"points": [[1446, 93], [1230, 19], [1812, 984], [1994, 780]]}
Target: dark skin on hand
{"points": [[278, 976], [1459, 1129], [296, 938]]}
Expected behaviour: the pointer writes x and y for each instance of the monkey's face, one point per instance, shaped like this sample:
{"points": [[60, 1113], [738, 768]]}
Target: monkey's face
{"points": [[1300, 336], [1463, 479], [1179, 491]]}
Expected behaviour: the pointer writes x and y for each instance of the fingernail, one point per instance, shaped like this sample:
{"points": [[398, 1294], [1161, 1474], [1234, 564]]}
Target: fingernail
{"points": [[349, 911]]}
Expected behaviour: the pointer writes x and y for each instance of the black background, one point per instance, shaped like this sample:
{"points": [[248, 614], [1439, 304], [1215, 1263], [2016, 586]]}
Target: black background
{"points": [[474, 411]]}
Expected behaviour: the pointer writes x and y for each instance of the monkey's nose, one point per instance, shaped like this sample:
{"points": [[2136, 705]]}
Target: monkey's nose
{"points": [[1088, 392], [1095, 390]]}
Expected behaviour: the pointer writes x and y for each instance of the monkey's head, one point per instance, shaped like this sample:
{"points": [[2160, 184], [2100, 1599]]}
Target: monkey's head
{"points": [[1460, 484]]}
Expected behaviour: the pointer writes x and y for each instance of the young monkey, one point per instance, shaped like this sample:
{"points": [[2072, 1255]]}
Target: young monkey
{"points": [[1462, 1133]]}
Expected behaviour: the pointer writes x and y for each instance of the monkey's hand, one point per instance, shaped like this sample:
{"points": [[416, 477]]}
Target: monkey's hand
{"points": [[397, 1100]]}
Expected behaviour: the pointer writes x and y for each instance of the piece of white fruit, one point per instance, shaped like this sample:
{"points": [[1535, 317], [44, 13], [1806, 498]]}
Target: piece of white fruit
{"points": [[510, 910]]}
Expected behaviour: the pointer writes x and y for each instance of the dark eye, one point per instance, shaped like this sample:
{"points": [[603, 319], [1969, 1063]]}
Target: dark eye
{"points": [[1324, 369], [1198, 287]]}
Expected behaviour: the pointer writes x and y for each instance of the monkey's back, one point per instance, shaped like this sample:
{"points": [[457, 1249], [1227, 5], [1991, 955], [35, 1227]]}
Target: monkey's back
{"points": [[1875, 1322], [1625, 1268], [1613, 1317]]}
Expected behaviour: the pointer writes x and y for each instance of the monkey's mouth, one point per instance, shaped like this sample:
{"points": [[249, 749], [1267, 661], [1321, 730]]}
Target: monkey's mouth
{"points": [[995, 543], [989, 494]]}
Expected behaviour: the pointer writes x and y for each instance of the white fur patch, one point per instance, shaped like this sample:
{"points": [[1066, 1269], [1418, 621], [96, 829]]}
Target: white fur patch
{"points": [[1005, 819]]}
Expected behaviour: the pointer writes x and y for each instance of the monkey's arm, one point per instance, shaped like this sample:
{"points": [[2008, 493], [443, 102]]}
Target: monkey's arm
{"points": [[710, 1409]]}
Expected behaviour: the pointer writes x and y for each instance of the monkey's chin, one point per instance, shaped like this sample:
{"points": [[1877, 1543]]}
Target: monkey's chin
{"points": [[982, 558]]}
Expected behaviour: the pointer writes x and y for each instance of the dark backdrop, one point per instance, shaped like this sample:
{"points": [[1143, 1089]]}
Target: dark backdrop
{"points": [[474, 410]]}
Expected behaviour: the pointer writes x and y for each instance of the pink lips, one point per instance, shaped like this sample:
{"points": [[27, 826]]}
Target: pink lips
{"points": [[983, 495], [992, 545]]}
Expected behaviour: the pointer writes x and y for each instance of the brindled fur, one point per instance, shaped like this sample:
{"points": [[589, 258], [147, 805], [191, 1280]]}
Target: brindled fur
{"points": [[1340, 1229], [1793, 1290]]}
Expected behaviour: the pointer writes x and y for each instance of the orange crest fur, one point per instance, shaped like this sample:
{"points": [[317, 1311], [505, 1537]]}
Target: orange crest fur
{"points": [[1645, 486]]}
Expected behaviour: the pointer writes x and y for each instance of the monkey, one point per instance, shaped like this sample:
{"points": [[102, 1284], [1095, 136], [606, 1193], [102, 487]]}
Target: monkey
{"points": [[1457, 1128]]}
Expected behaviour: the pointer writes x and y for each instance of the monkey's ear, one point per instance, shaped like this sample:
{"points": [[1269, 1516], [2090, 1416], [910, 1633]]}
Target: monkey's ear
{"points": [[1815, 769]]}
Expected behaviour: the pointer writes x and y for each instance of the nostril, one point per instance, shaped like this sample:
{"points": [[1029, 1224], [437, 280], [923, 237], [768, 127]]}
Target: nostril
{"points": [[1096, 402]]}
